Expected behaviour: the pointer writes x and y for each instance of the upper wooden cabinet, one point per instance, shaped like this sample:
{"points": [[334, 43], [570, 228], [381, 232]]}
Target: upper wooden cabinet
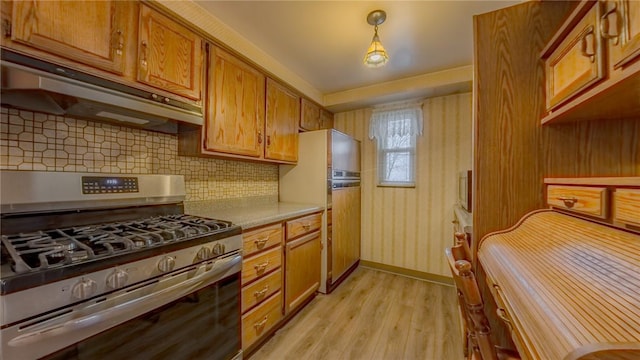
{"points": [[591, 63], [235, 106], [94, 35], [281, 123], [621, 25], [169, 55], [577, 62], [313, 117]]}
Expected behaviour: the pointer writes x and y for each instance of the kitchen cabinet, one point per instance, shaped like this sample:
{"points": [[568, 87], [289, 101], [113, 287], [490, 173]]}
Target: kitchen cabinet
{"points": [[345, 244], [169, 55], [281, 123], [313, 117], [610, 200], [93, 35], [235, 106], [591, 63], [622, 27], [577, 62], [261, 296], [302, 259]]}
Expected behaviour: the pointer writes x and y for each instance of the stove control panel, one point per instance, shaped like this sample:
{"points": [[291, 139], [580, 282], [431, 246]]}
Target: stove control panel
{"points": [[109, 184]]}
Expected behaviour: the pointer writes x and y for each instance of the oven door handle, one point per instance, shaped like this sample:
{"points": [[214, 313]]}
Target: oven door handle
{"points": [[112, 316]]}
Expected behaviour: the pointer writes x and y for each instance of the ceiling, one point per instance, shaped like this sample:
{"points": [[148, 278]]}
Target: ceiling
{"points": [[324, 42]]}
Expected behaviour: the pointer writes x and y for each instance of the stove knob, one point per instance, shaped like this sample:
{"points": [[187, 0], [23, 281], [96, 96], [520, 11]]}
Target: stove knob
{"points": [[204, 253], [166, 264], [218, 249], [85, 288], [117, 279]]}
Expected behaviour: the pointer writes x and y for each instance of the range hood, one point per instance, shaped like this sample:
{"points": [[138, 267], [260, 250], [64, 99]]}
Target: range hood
{"points": [[31, 84]]}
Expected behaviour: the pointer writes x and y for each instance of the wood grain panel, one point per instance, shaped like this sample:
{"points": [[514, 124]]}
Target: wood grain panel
{"points": [[281, 123], [346, 230], [626, 206], [93, 35], [256, 292], [260, 239], [169, 55], [586, 200], [568, 296], [303, 225], [257, 266], [258, 321], [508, 101], [409, 228], [302, 272], [235, 106]]}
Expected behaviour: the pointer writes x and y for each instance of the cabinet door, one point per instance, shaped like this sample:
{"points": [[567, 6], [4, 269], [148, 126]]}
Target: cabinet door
{"points": [[235, 106], [326, 119], [345, 240], [577, 62], [310, 115], [92, 33], [169, 55], [283, 112], [621, 24], [302, 269]]}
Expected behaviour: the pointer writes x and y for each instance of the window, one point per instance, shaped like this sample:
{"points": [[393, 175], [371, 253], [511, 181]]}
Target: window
{"points": [[395, 132]]}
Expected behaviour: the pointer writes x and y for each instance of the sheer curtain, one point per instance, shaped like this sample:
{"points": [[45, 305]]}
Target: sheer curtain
{"points": [[408, 122], [395, 131]]}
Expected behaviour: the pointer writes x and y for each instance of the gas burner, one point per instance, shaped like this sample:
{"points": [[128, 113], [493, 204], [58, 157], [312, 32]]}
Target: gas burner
{"points": [[59, 247]]}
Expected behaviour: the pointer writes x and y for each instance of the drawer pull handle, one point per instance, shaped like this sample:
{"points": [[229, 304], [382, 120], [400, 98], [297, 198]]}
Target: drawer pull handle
{"points": [[260, 325], [119, 42], [502, 314], [590, 54], [260, 268], [143, 55], [568, 201], [260, 242], [260, 294], [604, 23], [306, 227]]}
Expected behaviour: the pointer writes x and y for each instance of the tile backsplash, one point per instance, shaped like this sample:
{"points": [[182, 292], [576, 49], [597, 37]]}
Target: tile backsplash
{"points": [[35, 141]]}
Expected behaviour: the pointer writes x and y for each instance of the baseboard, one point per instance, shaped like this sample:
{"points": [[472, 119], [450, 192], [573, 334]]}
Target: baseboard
{"points": [[444, 280]]}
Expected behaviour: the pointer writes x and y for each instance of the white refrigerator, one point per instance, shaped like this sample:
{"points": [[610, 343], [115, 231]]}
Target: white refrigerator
{"points": [[328, 174]]}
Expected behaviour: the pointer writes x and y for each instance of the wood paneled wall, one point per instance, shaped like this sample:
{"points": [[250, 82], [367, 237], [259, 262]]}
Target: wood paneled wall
{"points": [[410, 227], [513, 152]]}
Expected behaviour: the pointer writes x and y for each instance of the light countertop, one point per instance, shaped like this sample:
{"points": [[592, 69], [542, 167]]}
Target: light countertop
{"points": [[249, 212]]}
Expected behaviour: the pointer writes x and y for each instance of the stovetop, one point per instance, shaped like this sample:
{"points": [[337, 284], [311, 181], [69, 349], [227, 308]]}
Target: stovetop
{"points": [[27, 252]]}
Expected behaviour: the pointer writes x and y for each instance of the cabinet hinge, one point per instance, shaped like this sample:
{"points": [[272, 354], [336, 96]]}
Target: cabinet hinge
{"points": [[6, 27]]}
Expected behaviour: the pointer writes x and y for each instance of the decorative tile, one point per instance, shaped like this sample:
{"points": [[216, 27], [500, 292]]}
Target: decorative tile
{"points": [[35, 141]]}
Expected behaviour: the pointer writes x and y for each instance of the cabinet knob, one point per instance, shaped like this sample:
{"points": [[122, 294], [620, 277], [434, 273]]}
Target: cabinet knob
{"points": [[259, 137], [143, 54], [260, 268], [589, 51]]}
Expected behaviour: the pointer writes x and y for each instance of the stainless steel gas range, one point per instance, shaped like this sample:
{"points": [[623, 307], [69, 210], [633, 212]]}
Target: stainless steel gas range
{"points": [[98, 265]]}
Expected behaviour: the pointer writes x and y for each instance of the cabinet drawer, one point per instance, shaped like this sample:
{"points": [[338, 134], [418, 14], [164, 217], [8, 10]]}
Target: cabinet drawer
{"points": [[626, 206], [257, 240], [257, 266], [258, 321], [585, 200], [256, 292], [303, 225], [577, 62]]}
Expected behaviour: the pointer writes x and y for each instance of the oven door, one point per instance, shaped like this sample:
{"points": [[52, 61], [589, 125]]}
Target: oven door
{"points": [[193, 313]]}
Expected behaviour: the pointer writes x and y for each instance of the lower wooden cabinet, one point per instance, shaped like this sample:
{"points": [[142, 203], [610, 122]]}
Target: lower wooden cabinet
{"points": [[302, 257], [261, 319], [278, 275]]}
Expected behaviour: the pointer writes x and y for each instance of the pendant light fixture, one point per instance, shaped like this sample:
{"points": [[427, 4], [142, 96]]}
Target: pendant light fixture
{"points": [[376, 54]]}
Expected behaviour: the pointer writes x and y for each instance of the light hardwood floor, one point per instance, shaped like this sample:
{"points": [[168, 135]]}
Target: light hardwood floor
{"points": [[372, 315]]}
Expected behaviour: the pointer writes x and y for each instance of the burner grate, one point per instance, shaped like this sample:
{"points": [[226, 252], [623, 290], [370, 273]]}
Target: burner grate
{"points": [[59, 247]]}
